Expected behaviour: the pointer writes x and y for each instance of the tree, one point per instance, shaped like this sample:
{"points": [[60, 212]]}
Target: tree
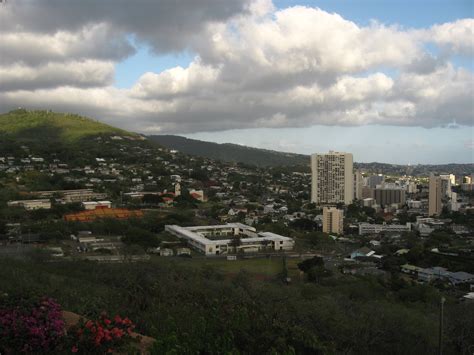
{"points": [[235, 242], [152, 199], [316, 273], [415, 254], [304, 224], [141, 237], [307, 264]]}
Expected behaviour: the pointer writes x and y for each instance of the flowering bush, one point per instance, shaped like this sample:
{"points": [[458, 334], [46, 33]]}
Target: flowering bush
{"points": [[31, 326], [102, 336], [27, 326]]}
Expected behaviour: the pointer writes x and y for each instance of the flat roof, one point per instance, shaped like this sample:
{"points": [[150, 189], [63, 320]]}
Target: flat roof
{"points": [[26, 201], [221, 226], [192, 233], [273, 236]]}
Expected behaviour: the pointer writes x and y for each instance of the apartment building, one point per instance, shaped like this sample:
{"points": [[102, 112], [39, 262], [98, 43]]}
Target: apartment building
{"points": [[332, 178], [333, 219]]}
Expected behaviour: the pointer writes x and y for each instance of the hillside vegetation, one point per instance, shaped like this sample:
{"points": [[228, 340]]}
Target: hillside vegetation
{"points": [[202, 310], [65, 127], [231, 152]]}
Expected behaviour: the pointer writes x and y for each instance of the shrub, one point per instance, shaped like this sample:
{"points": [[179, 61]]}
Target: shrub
{"points": [[27, 326], [102, 336]]}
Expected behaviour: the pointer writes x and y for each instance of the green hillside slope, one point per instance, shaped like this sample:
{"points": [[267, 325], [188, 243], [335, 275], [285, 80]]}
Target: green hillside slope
{"points": [[231, 152], [46, 125]]}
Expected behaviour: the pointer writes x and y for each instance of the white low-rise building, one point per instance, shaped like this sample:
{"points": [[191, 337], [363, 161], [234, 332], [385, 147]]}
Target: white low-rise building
{"points": [[92, 205], [367, 228], [228, 238], [31, 204], [70, 196], [368, 202], [414, 204]]}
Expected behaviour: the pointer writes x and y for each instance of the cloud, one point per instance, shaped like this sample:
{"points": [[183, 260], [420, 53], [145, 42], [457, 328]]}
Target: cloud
{"points": [[166, 25], [176, 82], [456, 37], [95, 41], [88, 73], [255, 66]]}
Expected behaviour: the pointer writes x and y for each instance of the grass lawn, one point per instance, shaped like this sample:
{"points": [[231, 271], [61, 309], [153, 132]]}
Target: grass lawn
{"points": [[267, 267]]}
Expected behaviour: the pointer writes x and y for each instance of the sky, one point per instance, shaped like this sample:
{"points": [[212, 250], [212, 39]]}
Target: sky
{"points": [[388, 80]]}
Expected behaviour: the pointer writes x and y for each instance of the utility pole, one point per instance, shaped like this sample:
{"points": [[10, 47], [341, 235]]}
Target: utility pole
{"points": [[286, 277], [440, 335]]}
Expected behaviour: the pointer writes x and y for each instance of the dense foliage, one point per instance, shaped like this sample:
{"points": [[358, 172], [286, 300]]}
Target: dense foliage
{"points": [[189, 309]]}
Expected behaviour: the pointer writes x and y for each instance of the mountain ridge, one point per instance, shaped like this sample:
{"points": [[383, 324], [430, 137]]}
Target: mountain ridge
{"points": [[230, 152], [65, 131]]}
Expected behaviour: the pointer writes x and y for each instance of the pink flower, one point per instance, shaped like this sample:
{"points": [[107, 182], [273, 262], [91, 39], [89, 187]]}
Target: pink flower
{"points": [[74, 349]]}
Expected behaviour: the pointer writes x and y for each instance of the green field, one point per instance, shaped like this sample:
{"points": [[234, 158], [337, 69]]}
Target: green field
{"points": [[266, 267]]}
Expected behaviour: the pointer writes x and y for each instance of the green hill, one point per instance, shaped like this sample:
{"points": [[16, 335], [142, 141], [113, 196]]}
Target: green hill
{"points": [[231, 152], [64, 137], [24, 125]]}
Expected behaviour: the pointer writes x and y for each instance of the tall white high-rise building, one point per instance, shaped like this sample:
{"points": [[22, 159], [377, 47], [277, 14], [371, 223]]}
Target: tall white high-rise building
{"points": [[332, 178]]}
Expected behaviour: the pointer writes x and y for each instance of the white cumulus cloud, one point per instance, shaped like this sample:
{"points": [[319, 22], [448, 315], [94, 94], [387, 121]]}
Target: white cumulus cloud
{"points": [[254, 66]]}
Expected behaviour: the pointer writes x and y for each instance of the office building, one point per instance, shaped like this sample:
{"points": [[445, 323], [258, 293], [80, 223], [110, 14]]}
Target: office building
{"points": [[434, 198], [367, 228], [412, 188], [388, 197], [374, 180], [450, 177], [358, 185], [367, 192], [446, 186], [332, 178], [332, 220]]}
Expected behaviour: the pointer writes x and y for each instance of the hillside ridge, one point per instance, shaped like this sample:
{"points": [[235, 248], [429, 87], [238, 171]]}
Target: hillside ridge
{"points": [[41, 124], [230, 152]]}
